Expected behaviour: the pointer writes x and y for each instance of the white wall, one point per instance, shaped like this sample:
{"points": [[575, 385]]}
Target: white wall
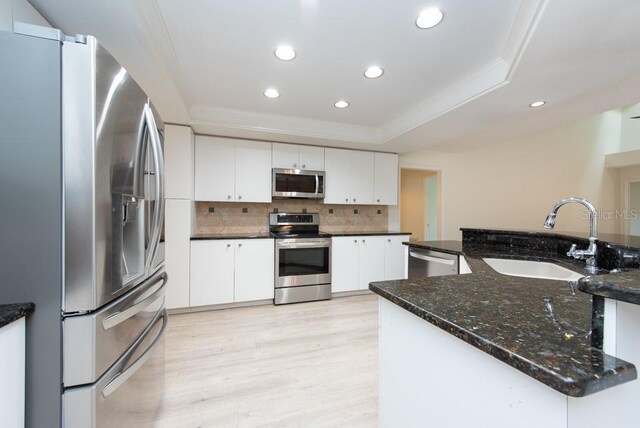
{"points": [[19, 11], [513, 184], [630, 133]]}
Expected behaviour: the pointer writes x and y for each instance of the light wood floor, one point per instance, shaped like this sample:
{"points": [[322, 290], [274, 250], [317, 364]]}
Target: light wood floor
{"points": [[303, 365]]}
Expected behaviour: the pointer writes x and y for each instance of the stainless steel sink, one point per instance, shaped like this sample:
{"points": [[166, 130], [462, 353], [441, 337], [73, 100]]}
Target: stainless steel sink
{"points": [[532, 269]]}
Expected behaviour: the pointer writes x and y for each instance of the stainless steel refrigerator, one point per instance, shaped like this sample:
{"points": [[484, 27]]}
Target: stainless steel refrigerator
{"points": [[81, 185]]}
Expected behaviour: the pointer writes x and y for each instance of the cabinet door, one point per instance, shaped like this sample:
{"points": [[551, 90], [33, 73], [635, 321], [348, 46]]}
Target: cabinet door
{"points": [[285, 156], [254, 269], [338, 168], [361, 167], [370, 260], [395, 261], [253, 171], [312, 158], [211, 272], [385, 180], [178, 161], [177, 240], [344, 264], [214, 169]]}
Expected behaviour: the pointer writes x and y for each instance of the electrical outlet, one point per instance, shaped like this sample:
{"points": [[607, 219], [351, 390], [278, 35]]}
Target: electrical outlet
{"points": [[225, 216]]}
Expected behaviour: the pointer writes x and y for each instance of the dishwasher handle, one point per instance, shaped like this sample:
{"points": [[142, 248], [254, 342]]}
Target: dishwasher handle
{"points": [[433, 259]]}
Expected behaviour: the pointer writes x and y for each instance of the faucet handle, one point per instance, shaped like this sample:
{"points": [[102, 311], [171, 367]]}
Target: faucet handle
{"points": [[572, 250]]}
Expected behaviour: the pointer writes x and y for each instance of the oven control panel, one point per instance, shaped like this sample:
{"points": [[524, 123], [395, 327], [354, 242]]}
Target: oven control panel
{"points": [[293, 219]]}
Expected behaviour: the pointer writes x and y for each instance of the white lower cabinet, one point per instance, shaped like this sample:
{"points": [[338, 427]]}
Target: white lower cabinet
{"points": [[254, 266], [370, 260], [177, 246], [395, 257], [12, 373], [358, 260], [228, 271]]}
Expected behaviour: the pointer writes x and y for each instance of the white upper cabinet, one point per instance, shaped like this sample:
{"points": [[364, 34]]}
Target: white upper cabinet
{"points": [[349, 177], [253, 171], [178, 161], [292, 156], [385, 179], [232, 170], [362, 177], [312, 158]]}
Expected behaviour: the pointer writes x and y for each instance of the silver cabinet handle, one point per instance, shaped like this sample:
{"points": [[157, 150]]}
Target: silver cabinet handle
{"points": [[239, 197], [389, 240], [295, 165], [119, 379], [355, 240], [354, 199], [228, 245], [120, 317], [378, 200], [228, 197], [239, 245], [363, 241], [304, 166], [346, 200], [432, 259]]}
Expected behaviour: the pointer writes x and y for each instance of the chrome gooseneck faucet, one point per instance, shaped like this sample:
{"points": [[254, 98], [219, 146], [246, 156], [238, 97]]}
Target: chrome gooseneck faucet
{"points": [[590, 253]]}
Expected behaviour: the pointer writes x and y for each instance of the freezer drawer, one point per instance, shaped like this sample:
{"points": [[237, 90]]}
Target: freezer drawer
{"points": [[129, 394], [423, 263], [93, 342]]}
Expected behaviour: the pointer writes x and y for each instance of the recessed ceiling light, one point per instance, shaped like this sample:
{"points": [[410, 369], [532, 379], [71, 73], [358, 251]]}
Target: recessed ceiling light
{"points": [[341, 104], [537, 104], [271, 93], [285, 53], [429, 18], [373, 72]]}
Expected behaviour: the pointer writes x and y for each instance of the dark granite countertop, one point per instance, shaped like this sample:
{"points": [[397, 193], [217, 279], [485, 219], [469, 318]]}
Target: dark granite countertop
{"points": [[373, 233], [508, 317], [624, 286], [14, 311], [200, 236]]}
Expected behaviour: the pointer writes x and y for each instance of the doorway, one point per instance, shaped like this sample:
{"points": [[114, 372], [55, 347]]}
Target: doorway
{"points": [[420, 204]]}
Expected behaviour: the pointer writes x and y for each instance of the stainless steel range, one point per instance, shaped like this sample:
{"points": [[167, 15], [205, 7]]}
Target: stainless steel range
{"points": [[303, 258]]}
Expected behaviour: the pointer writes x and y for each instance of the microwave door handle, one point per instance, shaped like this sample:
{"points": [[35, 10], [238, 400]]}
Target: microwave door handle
{"points": [[317, 184], [158, 163]]}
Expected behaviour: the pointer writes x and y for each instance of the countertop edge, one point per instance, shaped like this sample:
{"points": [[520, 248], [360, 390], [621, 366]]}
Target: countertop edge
{"points": [[222, 237], [14, 311], [573, 388], [268, 236], [435, 247], [609, 289]]}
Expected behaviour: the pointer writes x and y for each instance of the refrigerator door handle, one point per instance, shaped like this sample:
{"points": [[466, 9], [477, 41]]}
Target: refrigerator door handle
{"points": [[120, 378], [120, 317], [158, 163]]}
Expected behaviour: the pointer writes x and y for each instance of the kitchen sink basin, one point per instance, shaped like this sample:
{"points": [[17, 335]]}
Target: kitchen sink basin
{"points": [[532, 269]]}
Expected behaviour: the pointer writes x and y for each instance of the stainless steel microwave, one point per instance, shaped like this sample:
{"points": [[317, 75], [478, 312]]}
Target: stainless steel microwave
{"points": [[297, 183]]}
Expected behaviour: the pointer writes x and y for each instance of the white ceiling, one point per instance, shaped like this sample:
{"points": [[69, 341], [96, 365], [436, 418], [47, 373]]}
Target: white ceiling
{"points": [[470, 79]]}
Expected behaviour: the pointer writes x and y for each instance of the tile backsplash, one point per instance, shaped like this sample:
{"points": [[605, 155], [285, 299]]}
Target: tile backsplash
{"points": [[233, 217]]}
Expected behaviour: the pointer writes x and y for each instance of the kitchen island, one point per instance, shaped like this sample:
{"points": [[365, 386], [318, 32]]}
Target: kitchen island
{"points": [[536, 356]]}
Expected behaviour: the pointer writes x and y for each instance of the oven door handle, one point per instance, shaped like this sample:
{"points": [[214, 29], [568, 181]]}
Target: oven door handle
{"points": [[303, 245]]}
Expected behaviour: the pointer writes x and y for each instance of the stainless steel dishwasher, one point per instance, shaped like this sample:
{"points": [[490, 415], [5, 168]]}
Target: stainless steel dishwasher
{"points": [[431, 263]]}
